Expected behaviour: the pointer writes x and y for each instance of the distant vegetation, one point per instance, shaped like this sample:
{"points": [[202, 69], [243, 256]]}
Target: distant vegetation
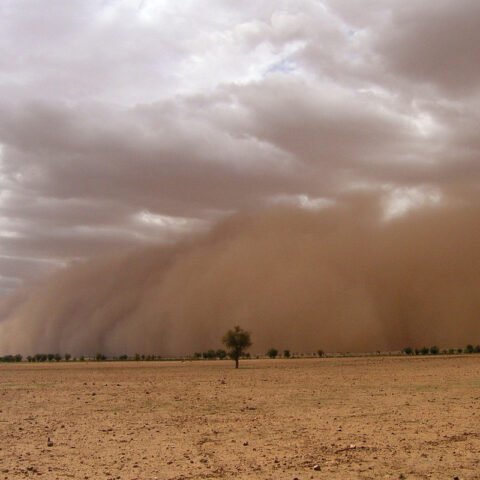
{"points": [[211, 355], [434, 350], [239, 349], [272, 353], [67, 357], [11, 358]]}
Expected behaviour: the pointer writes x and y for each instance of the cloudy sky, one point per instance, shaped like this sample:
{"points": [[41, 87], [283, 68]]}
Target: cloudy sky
{"points": [[130, 122]]}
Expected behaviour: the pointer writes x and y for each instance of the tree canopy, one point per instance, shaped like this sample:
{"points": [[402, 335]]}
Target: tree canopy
{"points": [[237, 341]]}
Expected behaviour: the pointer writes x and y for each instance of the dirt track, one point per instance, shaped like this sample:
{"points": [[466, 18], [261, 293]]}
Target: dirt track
{"points": [[271, 419]]}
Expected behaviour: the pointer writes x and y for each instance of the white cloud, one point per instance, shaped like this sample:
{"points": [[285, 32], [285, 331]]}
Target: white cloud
{"points": [[302, 201], [400, 200]]}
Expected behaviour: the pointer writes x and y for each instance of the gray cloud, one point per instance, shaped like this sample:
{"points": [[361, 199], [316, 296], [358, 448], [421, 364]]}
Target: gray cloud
{"points": [[434, 44]]}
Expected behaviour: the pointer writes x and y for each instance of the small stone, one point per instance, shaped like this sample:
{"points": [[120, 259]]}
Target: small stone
{"points": [[317, 467], [245, 444]]}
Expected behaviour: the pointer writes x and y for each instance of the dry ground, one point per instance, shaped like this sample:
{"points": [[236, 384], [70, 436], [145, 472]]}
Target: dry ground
{"points": [[271, 419]]}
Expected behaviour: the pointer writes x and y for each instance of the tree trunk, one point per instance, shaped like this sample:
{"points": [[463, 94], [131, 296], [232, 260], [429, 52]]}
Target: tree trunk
{"points": [[236, 363]]}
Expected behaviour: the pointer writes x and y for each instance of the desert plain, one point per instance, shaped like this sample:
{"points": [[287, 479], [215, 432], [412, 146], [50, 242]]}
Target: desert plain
{"points": [[333, 418]]}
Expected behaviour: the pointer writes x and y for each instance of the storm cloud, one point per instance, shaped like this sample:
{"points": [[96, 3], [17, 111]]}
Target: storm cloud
{"points": [[342, 278], [139, 124]]}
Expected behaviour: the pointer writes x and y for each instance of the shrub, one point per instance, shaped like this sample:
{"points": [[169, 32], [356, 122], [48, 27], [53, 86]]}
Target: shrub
{"points": [[469, 349], [272, 352], [221, 354], [408, 351], [434, 350], [424, 350], [286, 353]]}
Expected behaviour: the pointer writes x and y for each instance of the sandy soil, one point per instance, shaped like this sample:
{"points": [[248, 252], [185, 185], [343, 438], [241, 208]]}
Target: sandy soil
{"points": [[271, 419]]}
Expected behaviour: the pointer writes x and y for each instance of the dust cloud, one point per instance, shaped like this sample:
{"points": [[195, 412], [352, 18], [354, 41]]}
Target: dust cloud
{"points": [[340, 279]]}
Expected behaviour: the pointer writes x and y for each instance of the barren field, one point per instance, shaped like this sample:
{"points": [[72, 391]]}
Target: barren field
{"points": [[271, 419]]}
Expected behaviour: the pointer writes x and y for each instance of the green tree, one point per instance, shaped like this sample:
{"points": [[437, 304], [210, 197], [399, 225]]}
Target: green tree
{"points": [[286, 353], [408, 351], [434, 350], [237, 341]]}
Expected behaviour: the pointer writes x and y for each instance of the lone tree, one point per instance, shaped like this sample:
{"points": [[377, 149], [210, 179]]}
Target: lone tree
{"points": [[236, 341]]}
